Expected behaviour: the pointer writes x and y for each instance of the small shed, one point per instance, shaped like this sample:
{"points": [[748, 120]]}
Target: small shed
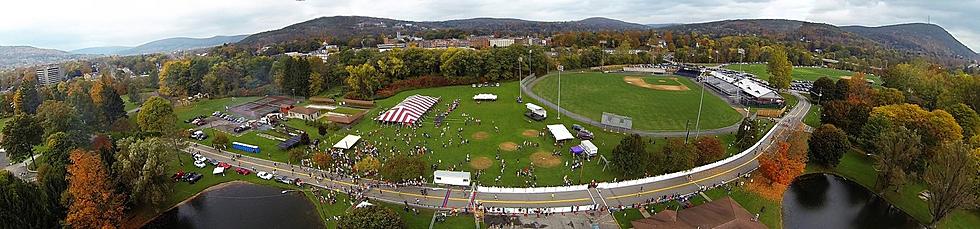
{"points": [[560, 132], [451, 178], [347, 142]]}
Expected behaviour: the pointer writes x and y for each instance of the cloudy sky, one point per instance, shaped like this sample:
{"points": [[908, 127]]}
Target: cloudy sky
{"points": [[73, 24]]}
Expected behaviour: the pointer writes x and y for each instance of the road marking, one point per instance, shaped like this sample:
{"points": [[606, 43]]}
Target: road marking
{"points": [[599, 193], [591, 197]]}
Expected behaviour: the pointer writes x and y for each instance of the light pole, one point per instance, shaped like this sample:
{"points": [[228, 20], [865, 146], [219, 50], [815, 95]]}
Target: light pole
{"points": [[520, 82], [560, 68]]}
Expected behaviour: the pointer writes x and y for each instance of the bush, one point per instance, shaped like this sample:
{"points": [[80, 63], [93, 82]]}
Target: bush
{"points": [[403, 168], [370, 217], [827, 145]]}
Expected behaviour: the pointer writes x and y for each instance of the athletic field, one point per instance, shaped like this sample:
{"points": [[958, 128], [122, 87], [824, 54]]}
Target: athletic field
{"points": [[654, 102], [799, 73]]}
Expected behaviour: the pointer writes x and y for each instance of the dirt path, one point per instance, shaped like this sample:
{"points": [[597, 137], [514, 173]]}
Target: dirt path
{"points": [[639, 82]]}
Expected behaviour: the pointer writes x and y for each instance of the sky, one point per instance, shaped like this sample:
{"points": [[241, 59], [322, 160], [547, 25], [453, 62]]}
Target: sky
{"points": [[74, 24]]}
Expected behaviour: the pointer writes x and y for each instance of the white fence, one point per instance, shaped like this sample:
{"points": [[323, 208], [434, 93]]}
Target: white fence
{"points": [[646, 180]]}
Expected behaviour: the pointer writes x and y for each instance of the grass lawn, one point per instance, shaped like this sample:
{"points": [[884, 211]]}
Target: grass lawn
{"points": [[812, 117], [791, 100], [772, 217], [799, 73], [128, 104], [858, 168], [592, 93], [624, 217]]}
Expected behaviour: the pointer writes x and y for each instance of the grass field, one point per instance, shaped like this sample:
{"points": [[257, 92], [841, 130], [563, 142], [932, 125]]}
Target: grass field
{"points": [[799, 73], [859, 168], [751, 201], [812, 117], [590, 94]]}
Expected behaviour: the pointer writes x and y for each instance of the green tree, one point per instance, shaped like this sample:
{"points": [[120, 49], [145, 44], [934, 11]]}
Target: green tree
{"points": [[821, 89], [142, 166], [679, 155], [79, 99], [297, 154], [780, 69], [19, 203], [747, 134], [317, 83], [26, 98], [630, 157], [107, 100], [363, 80], [58, 116], [827, 145], [220, 141], [157, 116], [967, 119], [371, 217], [951, 178], [403, 168], [20, 135], [895, 149]]}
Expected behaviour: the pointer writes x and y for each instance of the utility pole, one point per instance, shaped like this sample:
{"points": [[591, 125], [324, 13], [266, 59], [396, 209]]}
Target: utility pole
{"points": [[697, 124]]}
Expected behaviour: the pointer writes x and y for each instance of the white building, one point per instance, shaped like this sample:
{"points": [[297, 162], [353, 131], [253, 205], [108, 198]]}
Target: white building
{"points": [[49, 74], [451, 178], [501, 42]]}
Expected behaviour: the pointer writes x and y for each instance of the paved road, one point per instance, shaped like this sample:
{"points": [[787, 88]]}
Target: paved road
{"points": [[448, 198], [651, 133]]}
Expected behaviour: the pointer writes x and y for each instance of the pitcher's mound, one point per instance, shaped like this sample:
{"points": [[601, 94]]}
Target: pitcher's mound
{"points": [[480, 135], [530, 133], [545, 159], [508, 146], [480, 163]]}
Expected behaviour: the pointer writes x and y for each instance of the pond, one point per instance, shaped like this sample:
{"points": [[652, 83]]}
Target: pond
{"points": [[824, 201], [242, 205]]}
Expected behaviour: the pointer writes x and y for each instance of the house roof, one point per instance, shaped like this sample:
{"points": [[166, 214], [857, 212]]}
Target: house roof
{"points": [[303, 110], [722, 214]]}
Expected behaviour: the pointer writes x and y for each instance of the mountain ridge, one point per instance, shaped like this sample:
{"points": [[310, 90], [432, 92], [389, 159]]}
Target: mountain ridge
{"points": [[162, 45]]}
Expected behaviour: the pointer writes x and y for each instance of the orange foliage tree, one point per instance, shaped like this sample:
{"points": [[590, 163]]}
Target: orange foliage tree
{"points": [[93, 204], [779, 167]]}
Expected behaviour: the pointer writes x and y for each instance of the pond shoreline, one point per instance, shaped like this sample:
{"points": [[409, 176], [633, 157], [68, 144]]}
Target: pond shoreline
{"points": [[147, 220]]}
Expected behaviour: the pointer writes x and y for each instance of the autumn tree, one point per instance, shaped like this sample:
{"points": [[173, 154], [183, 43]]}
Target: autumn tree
{"points": [[779, 68], [710, 149], [93, 202], [141, 165], [20, 135], [628, 158], [894, 150], [678, 155], [951, 178], [367, 165], [936, 127], [827, 145], [317, 83], [322, 160], [79, 99], [157, 116], [967, 119], [779, 167], [363, 81]]}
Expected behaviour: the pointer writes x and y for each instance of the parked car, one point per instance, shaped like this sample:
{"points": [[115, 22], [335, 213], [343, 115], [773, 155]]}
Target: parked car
{"points": [[200, 164], [178, 176], [213, 162], [194, 177], [298, 182], [585, 135], [199, 135], [198, 157], [284, 179], [264, 175], [243, 171], [224, 165], [577, 127]]}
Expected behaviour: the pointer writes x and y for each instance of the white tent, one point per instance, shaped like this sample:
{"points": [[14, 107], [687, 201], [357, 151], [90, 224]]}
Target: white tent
{"points": [[451, 178], [485, 97], [347, 142], [363, 204], [589, 148], [218, 170], [560, 132], [536, 109]]}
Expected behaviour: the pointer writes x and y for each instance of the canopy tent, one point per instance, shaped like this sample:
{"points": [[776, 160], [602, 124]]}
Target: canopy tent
{"points": [[347, 142], [218, 170], [560, 132], [576, 150], [589, 148], [485, 97], [363, 204], [409, 110]]}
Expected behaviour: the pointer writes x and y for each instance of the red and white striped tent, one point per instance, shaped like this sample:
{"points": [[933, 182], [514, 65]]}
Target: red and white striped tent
{"points": [[409, 110]]}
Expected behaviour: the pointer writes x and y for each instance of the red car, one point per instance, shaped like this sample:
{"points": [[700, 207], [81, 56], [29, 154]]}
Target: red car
{"points": [[177, 176], [224, 165], [243, 171]]}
